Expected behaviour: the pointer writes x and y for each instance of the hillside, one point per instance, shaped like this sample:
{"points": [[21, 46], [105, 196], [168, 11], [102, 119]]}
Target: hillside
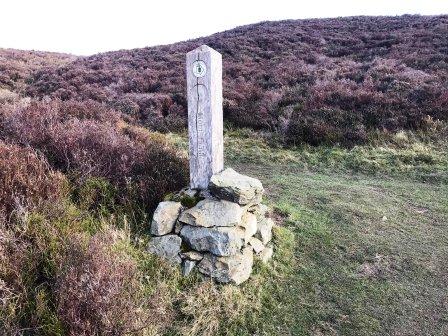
{"points": [[322, 80], [16, 66]]}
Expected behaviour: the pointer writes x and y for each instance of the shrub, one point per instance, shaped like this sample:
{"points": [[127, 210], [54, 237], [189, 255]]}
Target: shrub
{"points": [[12, 261], [29, 253], [78, 141], [7, 96], [26, 180], [98, 291]]}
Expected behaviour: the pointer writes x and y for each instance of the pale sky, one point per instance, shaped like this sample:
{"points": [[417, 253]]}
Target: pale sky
{"points": [[85, 27]]}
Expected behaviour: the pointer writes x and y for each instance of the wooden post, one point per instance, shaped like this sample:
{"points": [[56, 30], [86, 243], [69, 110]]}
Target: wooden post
{"points": [[205, 119]]}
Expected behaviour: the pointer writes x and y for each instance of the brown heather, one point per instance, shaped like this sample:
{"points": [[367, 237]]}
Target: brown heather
{"points": [[314, 81], [88, 140], [26, 180], [98, 290]]}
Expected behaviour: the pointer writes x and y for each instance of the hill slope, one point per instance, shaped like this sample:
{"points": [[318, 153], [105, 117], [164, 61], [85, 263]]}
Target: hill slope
{"points": [[16, 66], [323, 80]]}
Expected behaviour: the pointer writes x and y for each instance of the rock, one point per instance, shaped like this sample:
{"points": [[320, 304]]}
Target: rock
{"points": [[256, 244], [264, 230], [187, 267], [249, 223], [192, 255], [266, 254], [235, 269], [260, 210], [221, 241], [189, 192], [165, 217], [206, 194], [178, 227], [208, 213], [167, 247], [234, 187]]}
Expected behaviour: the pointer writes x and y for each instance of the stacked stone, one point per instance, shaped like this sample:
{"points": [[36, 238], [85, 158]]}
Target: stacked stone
{"points": [[221, 233]]}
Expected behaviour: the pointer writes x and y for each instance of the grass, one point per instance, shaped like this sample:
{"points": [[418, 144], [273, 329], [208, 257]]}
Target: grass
{"points": [[363, 240], [361, 245], [368, 255], [421, 156]]}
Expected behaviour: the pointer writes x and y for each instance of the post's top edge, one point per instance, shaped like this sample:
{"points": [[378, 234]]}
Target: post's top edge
{"points": [[203, 48]]}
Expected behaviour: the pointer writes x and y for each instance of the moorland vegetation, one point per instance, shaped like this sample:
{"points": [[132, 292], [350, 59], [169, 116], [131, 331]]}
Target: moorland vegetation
{"points": [[343, 120]]}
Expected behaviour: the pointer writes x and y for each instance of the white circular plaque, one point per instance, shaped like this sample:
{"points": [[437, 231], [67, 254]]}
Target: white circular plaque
{"points": [[199, 68]]}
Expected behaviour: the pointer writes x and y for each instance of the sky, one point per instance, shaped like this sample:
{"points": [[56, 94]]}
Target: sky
{"points": [[85, 27]]}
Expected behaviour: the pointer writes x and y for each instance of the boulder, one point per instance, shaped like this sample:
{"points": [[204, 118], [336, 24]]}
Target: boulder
{"points": [[208, 213], [221, 241], [256, 244], [266, 254], [187, 267], [235, 269], [167, 247], [234, 187], [165, 217], [264, 230], [249, 223]]}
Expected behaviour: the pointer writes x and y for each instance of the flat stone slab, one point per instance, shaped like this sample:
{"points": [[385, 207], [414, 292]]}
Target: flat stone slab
{"points": [[209, 213], [167, 247], [235, 269], [235, 187], [165, 217], [221, 241]]}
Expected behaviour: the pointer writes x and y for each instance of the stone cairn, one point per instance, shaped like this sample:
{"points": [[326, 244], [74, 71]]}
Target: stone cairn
{"points": [[218, 230]]}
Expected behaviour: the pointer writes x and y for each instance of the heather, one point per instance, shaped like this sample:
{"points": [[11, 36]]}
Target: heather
{"points": [[326, 81], [16, 66], [26, 180], [88, 141]]}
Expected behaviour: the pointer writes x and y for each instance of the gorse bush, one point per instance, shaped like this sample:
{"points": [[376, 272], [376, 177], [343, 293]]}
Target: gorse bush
{"points": [[313, 81]]}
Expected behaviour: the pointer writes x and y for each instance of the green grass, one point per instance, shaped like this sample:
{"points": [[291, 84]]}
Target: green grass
{"points": [[362, 245], [367, 258]]}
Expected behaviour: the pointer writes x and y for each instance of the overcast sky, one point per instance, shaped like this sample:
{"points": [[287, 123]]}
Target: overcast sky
{"points": [[85, 27]]}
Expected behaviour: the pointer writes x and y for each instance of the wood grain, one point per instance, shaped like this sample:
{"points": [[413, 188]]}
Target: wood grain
{"points": [[205, 117]]}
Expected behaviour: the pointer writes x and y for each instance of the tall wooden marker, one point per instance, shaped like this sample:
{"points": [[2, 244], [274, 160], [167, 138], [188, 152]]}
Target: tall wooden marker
{"points": [[205, 119]]}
